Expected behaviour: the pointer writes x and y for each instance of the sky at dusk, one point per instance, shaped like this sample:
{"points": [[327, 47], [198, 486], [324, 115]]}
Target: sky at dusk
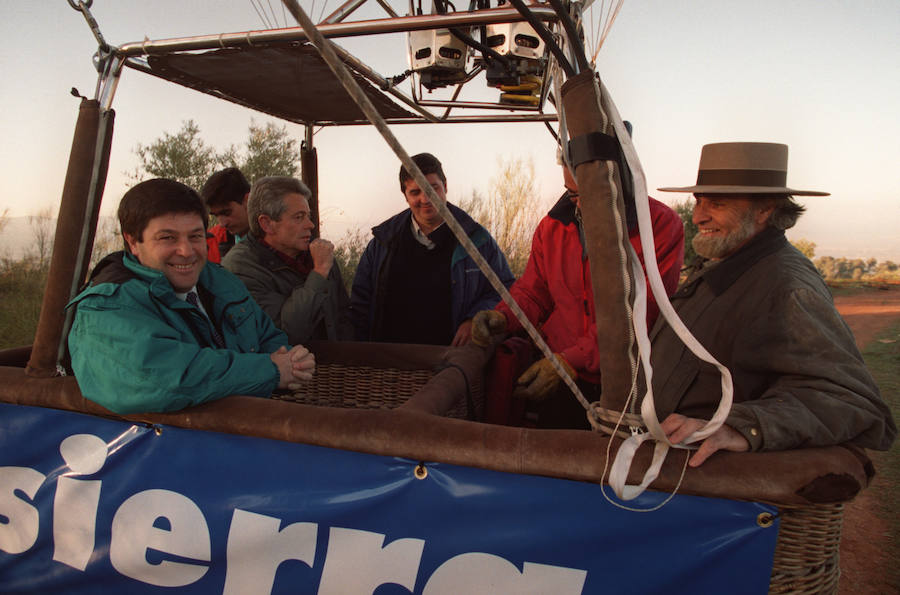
{"points": [[822, 76]]}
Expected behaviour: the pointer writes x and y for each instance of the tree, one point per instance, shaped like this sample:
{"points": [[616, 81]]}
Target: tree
{"points": [[510, 213], [886, 271], [857, 269], [108, 239], [806, 247], [826, 266], [182, 156], [42, 231], [347, 253], [269, 151], [185, 156], [685, 210]]}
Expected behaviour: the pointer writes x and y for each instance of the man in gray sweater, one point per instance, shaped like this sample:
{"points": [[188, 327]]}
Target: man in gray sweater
{"points": [[292, 276]]}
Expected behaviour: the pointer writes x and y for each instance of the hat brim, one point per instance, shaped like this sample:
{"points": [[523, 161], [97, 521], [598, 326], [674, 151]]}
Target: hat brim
{"points": [[743, 190]]}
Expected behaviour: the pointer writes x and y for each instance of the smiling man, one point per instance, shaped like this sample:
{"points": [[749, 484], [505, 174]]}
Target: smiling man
{"points": [[415, 283], [292, 276], [761, 309], [159, 328]]}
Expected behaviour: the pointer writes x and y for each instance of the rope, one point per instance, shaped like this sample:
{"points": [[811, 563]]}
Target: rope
{"points": [[652, 508], [613, 419], [260, 12], [272, 13], [371, 113], [606, 28]]}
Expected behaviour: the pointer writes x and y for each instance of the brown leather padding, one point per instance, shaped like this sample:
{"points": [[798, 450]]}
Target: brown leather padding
{"points": [[798, 477], [460, 378], [74, 216], [16, 357], [599, 185]]}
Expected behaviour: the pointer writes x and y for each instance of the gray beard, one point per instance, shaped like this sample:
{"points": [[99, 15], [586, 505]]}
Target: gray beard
{"points": [[717, 248]]}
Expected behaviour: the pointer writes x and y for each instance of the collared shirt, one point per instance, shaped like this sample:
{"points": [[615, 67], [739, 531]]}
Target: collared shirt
{"points": [[183, 298], [420, 235], [302, 263]]}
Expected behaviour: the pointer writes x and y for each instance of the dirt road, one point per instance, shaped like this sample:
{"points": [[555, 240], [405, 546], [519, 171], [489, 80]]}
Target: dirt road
{"points": [[869, 311], [865, 544]]}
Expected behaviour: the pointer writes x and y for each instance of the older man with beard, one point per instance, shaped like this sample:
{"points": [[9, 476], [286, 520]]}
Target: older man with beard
{"points": [[762, 310]]}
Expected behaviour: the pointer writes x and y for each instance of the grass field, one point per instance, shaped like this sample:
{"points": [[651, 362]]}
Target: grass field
{"points": [[21, 292], [883, 359]]}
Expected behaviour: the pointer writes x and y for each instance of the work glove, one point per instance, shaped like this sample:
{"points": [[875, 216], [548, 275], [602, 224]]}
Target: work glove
{"points": [[540, 380], [486, 325]]}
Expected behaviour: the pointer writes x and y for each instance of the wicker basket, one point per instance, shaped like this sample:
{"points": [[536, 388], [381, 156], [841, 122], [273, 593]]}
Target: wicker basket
{"points": [[807, 553], [807, 550], [387, 375], [362, 387]]}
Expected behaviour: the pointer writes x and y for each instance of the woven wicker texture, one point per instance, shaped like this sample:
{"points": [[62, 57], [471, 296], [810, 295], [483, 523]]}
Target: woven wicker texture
{"points": [[361, 387], [807, 550]]}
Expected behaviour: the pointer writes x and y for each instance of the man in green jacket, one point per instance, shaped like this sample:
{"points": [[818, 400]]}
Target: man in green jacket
{"points": [[159, 328], [762, 310], [291, 275]]}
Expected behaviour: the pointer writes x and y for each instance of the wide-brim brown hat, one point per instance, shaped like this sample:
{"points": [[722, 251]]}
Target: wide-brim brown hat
{"points": [[743, 168]]}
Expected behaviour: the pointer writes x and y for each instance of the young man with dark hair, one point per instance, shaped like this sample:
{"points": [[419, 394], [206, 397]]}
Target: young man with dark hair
{"points": [[225, 194], [290, 274], [415, 283], [159, 328]]}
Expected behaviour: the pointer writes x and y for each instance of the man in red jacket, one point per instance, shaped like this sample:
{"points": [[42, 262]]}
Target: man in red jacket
{"points": [[556, 295]]}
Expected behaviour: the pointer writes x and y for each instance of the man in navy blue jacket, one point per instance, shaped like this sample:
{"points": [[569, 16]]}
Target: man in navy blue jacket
{"points": [[415, 283]]}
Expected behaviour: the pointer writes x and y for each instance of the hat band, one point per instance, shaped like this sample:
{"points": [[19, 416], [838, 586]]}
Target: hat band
{"points": [[742, 177]]}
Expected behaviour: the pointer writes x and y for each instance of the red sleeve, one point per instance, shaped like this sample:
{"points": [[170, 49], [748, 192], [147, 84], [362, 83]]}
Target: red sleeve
{"points": [[212, 249], [530, 291]]}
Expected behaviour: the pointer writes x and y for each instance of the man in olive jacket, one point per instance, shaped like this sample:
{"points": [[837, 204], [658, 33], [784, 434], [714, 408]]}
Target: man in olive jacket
{"points": [[762, 310], [159, 328], [291, 276]]}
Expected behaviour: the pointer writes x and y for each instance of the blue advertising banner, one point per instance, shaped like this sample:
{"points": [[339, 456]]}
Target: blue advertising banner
{"points": [[90, 505]]}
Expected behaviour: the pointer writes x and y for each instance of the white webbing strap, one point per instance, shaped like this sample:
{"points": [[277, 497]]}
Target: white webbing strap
{"points": [[624, 457]]}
